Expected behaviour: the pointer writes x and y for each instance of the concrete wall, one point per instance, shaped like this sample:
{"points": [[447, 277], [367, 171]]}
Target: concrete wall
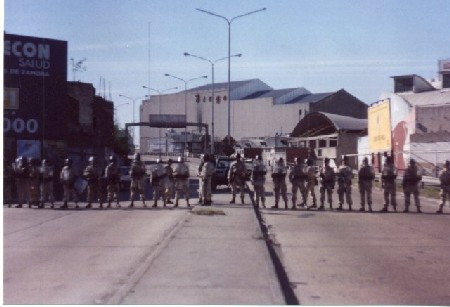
{"points": [[434, 118]]}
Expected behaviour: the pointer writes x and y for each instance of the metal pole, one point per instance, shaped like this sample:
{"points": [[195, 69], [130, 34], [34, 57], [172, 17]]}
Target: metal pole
{"points": [[229, 75], [212, 111]]}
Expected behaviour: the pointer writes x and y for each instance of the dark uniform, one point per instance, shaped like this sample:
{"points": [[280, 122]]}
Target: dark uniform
{"points": [[259, 180], [137, 174], [327, 182], [34, 186], [411, 180], [47, 183], [68, 177], [279, 182]]}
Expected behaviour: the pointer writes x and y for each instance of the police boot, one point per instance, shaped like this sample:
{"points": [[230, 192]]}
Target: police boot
{"points": [[76, 206], [349, 207], [418, 209], [294, 206], [385, 208], [89, 205], [155, 204], [331, 205], [176, 203], [285, 205], [275, 206], [64, 206], [131, 205], [321, 207], [242, 200], [362, 208], [340, 207], [18, 206], [109, 205], [263, 201], [187, 203], [406, 209], [370, 207], [232, 200], [52, 206]]}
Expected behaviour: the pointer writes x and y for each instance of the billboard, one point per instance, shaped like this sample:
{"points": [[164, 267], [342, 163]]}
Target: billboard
{"points": [[35, 87], [380, 131]]}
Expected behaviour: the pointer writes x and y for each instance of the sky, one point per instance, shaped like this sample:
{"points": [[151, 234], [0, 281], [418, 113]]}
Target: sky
{"points": [[321, 45]]}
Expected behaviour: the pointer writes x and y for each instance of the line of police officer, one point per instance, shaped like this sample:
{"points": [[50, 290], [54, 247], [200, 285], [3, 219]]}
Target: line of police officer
{"points": [[304, 179]]}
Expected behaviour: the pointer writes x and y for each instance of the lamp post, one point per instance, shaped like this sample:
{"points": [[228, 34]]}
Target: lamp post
{"points": [[185, 100], [212, 89], [133, 100], [229, 21], [159, 109], [116, 107]]}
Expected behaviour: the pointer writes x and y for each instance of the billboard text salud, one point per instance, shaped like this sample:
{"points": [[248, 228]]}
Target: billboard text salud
{"points": [[380, 136]]}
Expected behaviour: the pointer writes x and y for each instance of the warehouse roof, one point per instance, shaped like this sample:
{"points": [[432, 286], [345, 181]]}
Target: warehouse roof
{"points": [[436, 97], [321, 123]]}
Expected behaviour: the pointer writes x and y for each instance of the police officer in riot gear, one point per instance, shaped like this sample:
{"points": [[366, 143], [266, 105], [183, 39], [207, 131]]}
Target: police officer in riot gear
{"points": [[298, 177], [92, 174], [137, 174], [21, 174], [444, 178], [411, 179], [311, 183], [68, 177], [47, 183], [181, 176], [327, 182], [112, 174], [279, 171], [388, 176], [345, 175], [366, 175], [236, 177], [259, 180]]}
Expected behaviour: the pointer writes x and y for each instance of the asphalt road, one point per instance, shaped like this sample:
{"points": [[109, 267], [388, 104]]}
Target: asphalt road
{"points": [[331, 257]]}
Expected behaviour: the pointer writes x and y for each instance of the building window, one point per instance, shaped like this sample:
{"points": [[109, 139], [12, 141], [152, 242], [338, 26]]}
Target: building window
{"points": [[319, 152], [322, 143], [333, 143], [445, 80], [312, 144], [403, 84]]}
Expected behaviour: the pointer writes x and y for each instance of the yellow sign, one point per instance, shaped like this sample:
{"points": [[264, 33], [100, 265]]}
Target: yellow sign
{"points": [[10, 98], [380, 132]]}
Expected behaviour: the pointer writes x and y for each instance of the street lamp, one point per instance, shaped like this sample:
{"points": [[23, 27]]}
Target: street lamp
{"points": [[159, 110], [133, 100], [185, 100], [212, 89], [116, 107], [229, 21]]}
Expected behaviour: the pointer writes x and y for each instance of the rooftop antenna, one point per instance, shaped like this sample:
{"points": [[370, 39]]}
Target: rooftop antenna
{"points": [[77, 66]]}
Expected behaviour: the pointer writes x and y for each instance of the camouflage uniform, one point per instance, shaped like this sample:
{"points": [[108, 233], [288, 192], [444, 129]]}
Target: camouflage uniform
{"points": [[236, 177], [297, 177], [327, 182], [92, 174], [112, 174], [388, 176], [279, 182], [181, 175], [207, 172], [168, 193], [159, 177], [47, 183], [68, 177], [444, 178], [21, 174], [366, 175], [345, 175], [259, 180], [137, 185], [411, 179]]}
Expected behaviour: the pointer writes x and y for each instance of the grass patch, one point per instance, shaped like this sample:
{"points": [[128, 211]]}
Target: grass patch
{"points": [[207, 211]]}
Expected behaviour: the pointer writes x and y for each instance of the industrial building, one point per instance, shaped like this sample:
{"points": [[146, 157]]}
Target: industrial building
{"points": [[417, 117], [256, 111]]}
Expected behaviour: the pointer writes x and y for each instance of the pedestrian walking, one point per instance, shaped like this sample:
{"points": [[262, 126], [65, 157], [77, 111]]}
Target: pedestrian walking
{"points": [[327, 182], [34, 173], [311, 183], [366, 175], [112, 174], [259, 180], [236, 177], [92, 173], [181, 176], [388, 176], [22, 176], [137, 185], [345, 175], [68, 177], [159, 177], [47, 183], [444, 178], [207, 172], [298, 178], [411, 179], [279, 171]]}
